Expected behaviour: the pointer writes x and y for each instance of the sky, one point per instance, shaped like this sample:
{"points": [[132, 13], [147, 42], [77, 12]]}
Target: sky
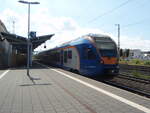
{"points": [[69, 19]]}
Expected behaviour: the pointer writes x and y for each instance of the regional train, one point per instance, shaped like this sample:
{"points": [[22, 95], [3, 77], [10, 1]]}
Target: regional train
{"points": [[90, 55]]}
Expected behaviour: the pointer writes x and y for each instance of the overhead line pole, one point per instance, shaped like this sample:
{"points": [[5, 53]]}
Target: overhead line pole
{"points": [[118, 25], [13, 27]]}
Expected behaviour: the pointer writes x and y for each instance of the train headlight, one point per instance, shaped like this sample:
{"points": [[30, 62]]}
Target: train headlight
{"points": [[101, 61], [112, 71]]}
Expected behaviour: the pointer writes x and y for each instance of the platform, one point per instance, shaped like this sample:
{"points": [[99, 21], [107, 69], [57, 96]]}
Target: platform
{"points": [[54, 90]]}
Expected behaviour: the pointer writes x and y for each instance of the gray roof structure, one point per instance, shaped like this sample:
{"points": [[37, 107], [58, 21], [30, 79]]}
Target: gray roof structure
{"points": [[20, 43]]}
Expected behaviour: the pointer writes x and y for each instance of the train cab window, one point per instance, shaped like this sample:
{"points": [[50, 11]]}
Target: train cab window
{"points": [[65, 57], [70, 54], [90, 54]]}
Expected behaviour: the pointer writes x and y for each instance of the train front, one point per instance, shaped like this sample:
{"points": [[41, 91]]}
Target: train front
{"points": [[108, 53]]}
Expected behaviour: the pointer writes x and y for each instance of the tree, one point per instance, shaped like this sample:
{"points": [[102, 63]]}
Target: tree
{"points": [[127, 52], [121, 52]]}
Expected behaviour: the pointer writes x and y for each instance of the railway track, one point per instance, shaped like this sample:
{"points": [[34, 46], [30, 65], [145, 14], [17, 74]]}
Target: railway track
{"points": [[136, 79], [135, 67], [130, 83], [145, 70]]}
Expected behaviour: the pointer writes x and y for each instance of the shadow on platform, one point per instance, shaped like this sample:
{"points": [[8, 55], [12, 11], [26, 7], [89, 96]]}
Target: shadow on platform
{"points": [[34, 66], [33, 80], [41, 84]]}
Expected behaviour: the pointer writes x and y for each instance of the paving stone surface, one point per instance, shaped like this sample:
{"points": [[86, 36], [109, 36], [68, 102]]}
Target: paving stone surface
{"points": [[2, 71], [51, 92]]}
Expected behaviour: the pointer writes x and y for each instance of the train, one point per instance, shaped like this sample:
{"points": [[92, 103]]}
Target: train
{"points": [[90, 55]]}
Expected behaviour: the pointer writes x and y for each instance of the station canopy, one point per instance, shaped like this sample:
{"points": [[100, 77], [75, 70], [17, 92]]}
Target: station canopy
{"points": [[20, 43]]}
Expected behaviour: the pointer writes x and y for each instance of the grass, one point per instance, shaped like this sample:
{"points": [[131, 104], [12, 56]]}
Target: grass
{"points": [[135, 62], [139, 75]]}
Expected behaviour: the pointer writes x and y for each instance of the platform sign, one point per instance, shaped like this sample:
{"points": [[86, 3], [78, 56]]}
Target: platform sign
{"points": [[33, 34]]}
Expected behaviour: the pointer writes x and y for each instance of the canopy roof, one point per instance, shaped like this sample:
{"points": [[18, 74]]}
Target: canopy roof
{"points": [[20, 43]]}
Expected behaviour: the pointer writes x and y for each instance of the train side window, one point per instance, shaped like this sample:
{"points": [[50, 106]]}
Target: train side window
{"points": [[65, 57], [90, 54], [57, 56], [70, 54]]}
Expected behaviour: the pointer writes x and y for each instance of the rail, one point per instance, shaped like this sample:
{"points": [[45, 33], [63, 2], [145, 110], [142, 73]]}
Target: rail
{"points": [[133, 84], [145, 70]]}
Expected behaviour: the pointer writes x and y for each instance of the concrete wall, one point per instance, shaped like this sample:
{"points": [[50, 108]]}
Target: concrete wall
{"points": [[5, 49], [8, 55], [5, 53]]}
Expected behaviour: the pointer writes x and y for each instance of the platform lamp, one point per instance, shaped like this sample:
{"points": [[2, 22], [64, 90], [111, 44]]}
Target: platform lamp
{"points": [[28, 39]]}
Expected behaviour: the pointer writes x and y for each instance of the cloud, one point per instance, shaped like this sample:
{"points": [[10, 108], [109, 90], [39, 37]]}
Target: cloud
{"points": [[135, 43], [8, 16], [65, 29]]}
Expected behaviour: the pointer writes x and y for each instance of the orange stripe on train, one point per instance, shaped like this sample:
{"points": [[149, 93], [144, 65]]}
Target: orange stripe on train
{"points": [[109, 60]]}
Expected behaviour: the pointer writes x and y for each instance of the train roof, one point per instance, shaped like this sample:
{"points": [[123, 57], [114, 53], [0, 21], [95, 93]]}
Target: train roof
{"points": [[100, 36], [96, 35], [80, 39]]}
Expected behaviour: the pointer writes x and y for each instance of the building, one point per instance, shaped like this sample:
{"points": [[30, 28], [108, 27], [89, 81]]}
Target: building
{"points": [[138, 54], [135, 53], [13, 48], [5, 48]]}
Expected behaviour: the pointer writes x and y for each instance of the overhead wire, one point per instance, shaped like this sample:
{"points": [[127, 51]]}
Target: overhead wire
{"points": [[135, 23], [116, 8], [110, 11]]}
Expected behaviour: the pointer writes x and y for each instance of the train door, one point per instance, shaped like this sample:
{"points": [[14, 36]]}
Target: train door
{"points": [[61, 57], [1, 57], [2, 52], [75, 60], [89, 58]]}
